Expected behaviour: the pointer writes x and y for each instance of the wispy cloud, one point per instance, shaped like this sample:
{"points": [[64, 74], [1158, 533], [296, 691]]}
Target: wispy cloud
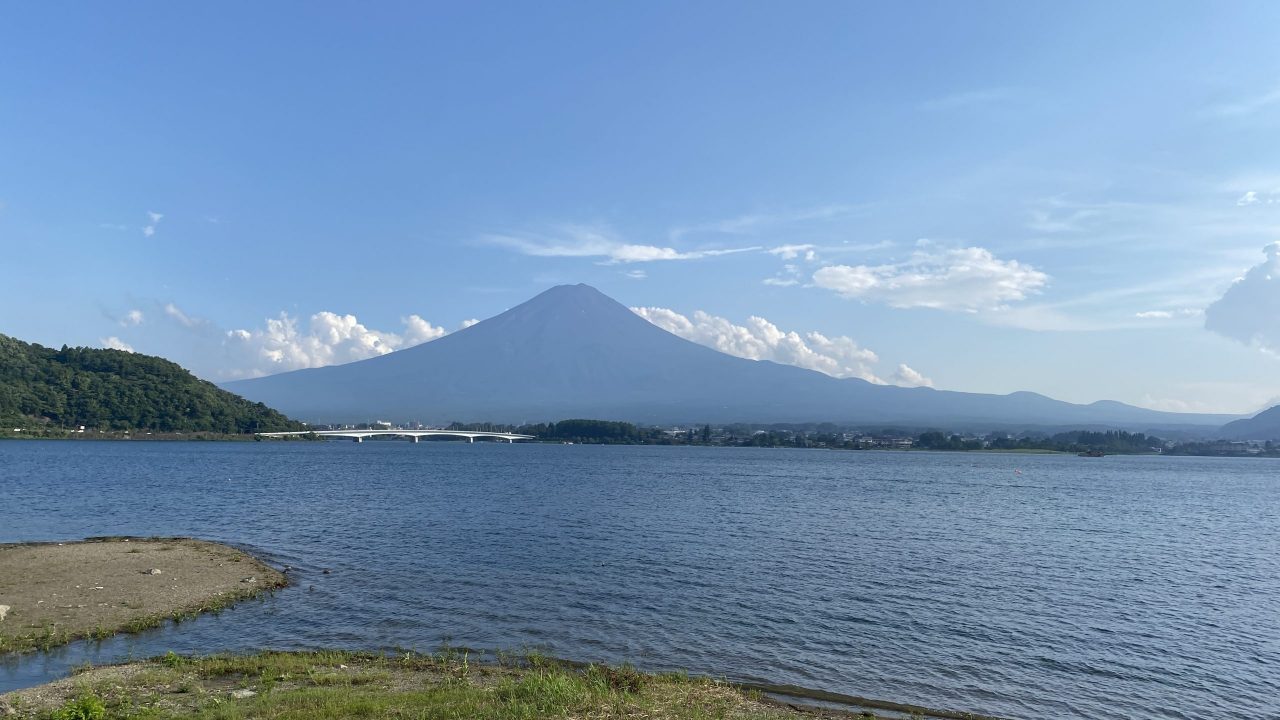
{"points": [[1049, 221], [1210, 396], [132, 318], [590, 242], [636, 274], [1133, 305], [964, 279], [750, 223], [1169, 314], [181, 317], [1245, 106], [791, 252], [150, 228], [969, 98], [790, 276]]}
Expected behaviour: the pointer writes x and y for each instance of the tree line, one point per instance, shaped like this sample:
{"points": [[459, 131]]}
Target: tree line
{"points": [[118, 390]]}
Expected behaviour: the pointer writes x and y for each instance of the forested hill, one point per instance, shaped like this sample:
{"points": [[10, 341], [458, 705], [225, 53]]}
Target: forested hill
{"points": [[117, 390]]}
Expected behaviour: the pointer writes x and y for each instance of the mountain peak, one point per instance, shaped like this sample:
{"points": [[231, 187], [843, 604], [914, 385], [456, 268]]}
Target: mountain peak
{"points": [[580, 293], [566, 304]]}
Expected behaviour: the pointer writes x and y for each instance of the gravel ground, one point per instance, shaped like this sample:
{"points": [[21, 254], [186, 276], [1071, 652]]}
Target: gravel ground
{"points": [[52, 593]]}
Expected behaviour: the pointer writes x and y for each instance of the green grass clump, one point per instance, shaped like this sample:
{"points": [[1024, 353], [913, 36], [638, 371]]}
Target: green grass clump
{"points": [[85, 707]]}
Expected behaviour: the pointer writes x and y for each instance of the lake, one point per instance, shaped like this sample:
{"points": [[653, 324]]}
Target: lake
{"points": [[1026, 586]]}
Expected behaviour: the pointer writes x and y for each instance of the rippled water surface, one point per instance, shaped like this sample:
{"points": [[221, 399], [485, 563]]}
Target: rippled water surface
{"points": [[1019, 585]]}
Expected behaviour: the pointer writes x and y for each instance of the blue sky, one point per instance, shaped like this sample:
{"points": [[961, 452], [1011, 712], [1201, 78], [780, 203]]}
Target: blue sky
{"points": [[980, 196]]}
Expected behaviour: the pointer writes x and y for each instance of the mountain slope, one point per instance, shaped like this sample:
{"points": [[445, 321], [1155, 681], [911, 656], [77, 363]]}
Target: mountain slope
{"points": [[1263, 426], [573, 352], [113, 389]]}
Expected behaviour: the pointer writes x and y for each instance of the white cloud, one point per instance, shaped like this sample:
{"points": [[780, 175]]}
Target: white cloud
{"points": [[760, 339], [328, 339], [781, 282], [183, 319], [417, 331], [1253, 197], [155, 219], [791, 252], [907, 376], [1249, 311], [468, 323], [965, 279], [582, 241], [636, 274], [115, 343], [1168, 314], [131, 318]]}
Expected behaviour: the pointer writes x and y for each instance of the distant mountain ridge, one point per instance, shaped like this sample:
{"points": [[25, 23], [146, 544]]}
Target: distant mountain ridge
{"points": [[1263, 426], [574, 352], [118, 390]]}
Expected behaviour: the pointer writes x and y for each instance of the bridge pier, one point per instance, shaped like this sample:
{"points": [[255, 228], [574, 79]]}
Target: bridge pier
{"points": [[414, 438], [357, 439], [471, 439]]}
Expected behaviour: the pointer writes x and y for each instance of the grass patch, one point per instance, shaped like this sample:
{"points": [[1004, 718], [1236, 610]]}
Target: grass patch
{"points": [[85, 707], [334, 684]]}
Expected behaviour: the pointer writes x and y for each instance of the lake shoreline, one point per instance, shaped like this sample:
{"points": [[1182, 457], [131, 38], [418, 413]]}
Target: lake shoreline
{"points": [[526, 685], [52, 593], [124, 593]]}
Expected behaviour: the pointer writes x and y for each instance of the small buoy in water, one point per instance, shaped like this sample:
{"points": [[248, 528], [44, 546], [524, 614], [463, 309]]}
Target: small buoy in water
{"points": [[326, 571]]}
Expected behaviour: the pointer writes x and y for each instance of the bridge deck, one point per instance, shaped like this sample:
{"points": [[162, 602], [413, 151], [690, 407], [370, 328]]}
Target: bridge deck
{"points": [[413, 435]]}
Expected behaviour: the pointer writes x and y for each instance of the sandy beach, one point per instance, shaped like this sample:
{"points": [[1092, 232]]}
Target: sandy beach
{"points": [[53, 593]]}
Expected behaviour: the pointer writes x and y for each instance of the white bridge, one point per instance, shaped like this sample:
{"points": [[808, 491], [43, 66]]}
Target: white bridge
{"points": [[410, 435]]}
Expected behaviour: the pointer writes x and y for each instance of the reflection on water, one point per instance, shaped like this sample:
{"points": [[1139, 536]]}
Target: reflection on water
{"points": [[1140, 587]]}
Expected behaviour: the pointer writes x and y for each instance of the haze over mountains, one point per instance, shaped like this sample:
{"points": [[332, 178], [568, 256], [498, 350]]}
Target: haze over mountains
{"points": [[574, 352], [1264, 425]]}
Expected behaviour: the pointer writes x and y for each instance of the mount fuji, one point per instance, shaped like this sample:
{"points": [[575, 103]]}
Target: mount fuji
{"points": [[574, 352]]}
